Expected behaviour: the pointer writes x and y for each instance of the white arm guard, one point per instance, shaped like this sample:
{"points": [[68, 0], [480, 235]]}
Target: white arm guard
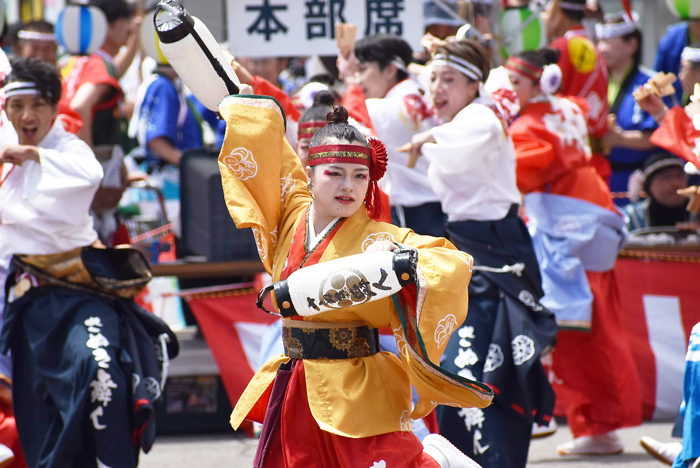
{"points": [[344, 282], [194, 54]]}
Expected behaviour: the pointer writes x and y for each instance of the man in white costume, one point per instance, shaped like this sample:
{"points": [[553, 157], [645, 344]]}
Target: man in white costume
{"points": [[69, 317]]}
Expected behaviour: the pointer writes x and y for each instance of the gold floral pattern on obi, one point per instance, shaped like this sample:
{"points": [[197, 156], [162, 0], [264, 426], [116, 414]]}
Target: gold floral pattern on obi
{"points": [[306, 340], [342, 338], [360, 348], [293, 348]]}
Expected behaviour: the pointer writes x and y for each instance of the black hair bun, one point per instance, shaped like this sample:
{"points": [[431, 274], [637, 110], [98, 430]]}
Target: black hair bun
{"points": [[550, 55], [339, 115]]}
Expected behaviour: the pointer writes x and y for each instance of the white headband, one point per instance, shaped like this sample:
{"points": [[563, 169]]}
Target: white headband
{"points": [[691, 55], [606, 31], [661, 164], [36, 36], [572, 6], [398, 61], [20, 88], [459, 64]]}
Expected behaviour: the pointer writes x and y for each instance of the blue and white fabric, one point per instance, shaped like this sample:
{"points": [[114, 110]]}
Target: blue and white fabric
{"points": [[571, 237]]}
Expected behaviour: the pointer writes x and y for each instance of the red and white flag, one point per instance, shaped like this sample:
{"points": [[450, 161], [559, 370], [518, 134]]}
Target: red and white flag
{"points": [[678, 135], [233, 327], [660, 306]]}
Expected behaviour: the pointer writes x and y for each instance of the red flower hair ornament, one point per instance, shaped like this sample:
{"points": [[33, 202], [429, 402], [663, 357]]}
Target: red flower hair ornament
{"points": [[373, 200]]}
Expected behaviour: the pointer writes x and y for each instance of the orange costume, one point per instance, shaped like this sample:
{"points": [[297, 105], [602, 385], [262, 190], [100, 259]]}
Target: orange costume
{"points": [[593, 367]]}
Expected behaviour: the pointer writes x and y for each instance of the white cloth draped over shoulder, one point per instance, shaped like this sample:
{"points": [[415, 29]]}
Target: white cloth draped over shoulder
{"points": [[472, 165], [44, 206], [395, 126]]}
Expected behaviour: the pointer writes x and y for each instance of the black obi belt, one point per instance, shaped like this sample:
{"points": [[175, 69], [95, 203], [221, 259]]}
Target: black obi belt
{"points": [[329, 340]]}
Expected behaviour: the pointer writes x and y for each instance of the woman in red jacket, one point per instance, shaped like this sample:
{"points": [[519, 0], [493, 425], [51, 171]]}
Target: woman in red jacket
{"points": [[577, 233]]}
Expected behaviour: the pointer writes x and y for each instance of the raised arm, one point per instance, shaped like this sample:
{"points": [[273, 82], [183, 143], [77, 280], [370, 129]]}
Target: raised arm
{"points": [[264, 184]]}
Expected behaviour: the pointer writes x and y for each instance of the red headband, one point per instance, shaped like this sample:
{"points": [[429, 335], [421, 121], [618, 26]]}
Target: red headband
{"points": [[374, 158], [309, 129], [524, 68], [329, 154]]}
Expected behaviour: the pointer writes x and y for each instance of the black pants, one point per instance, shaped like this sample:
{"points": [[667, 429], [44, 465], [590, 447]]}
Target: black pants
{"points": [[496, 436], [71, 398], [427, 219]]}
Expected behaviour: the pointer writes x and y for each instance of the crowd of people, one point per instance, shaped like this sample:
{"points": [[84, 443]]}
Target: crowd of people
{"points": [[506, 193]]}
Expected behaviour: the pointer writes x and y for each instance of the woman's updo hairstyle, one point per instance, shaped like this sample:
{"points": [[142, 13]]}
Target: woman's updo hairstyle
{"points": [[326, 98], [339, 115], [540, 58], [472, 52], [539, 66], [337, 130], [323, 100]]}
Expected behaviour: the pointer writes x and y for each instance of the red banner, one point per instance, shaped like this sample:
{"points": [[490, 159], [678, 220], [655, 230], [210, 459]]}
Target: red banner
{"points": [[660, 305], [232, 326]]}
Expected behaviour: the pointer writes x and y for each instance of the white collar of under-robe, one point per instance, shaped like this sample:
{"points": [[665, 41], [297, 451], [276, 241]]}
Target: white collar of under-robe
{"points": [[312, 238]]}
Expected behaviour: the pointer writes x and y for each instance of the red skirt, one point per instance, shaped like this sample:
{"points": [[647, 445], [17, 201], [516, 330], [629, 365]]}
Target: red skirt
{"points": [[595, 378], [292, 438]]}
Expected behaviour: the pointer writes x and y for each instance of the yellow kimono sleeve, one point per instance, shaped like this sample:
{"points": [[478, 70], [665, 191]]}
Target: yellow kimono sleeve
{"points": [[264, 183], [423, 329]]}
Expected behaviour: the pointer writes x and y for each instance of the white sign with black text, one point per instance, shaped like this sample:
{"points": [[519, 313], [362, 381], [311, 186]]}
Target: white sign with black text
{"points": [[266, 28]]}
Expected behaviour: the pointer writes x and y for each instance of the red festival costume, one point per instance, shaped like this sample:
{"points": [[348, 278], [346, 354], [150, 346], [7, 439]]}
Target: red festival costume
{"points": [[592, 369], [96, 69], [584, 74]]}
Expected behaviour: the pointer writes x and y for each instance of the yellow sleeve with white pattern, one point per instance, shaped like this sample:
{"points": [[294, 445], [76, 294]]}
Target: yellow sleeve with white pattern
{"points": [[263, 180]]}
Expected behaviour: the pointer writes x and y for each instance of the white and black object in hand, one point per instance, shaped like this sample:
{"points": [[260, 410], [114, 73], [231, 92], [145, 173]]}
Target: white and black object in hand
{"points": [[194, 54], [344, 282]]}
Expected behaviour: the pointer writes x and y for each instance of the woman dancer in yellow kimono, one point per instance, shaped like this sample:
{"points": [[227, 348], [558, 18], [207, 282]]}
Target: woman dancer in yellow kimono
{"points": [[334, 400]]}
